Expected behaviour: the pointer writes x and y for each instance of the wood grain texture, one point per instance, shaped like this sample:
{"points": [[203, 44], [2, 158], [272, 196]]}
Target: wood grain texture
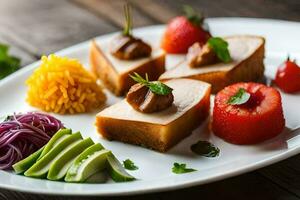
{"points": [[285, 173], [164, 10], [26, 58], [42, 27], [113, 11]]}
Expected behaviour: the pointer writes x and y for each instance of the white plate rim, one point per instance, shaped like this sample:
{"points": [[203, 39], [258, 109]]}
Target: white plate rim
{"points": [[183, 184]]}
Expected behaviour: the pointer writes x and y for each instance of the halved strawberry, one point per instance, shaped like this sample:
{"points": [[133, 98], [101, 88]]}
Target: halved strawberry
{"points": [[259, 117]]}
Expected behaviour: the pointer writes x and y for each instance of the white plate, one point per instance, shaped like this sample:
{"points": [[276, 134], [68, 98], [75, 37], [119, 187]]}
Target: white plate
{"points": [[154, 172]]}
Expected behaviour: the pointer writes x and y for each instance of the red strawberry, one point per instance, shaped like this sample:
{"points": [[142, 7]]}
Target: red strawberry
{"points": [[183, 31], [288, 77], [257, 119]]}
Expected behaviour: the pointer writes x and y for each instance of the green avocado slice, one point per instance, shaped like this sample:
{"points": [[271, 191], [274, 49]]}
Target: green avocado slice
{"points": [[116, 170], [59, 168], [83, 156], [21, 166], [41, 167], [93, 163], [100, 177], [56, 138]]}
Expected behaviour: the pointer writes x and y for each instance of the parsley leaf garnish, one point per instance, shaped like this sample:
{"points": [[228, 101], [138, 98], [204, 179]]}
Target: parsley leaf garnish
{"points": [[181, 169], [128, 164], [220, 47], [204, 148], [8, 64], [156, 87], [241, 97]]}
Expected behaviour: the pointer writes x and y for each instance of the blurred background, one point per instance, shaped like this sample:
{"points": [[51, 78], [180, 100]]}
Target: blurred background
{"points": [[36, 27]]}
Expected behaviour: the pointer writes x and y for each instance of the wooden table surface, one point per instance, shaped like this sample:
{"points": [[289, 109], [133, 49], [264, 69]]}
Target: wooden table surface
{"points": [[37, 27]]}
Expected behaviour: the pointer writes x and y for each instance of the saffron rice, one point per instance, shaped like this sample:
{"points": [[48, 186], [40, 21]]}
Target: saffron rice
{"points": [[62, 85]]}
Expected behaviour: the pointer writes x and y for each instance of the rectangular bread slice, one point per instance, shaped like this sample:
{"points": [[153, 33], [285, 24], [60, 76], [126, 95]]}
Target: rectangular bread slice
{"points": [[114, 73], [247, 53], [160, 130]]}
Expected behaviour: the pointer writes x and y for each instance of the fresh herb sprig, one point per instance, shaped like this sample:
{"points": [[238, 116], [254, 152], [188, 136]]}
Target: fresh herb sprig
{"points": [[8, 63], [220, 47], [128, 21], [156, 87], [204, 148], [241, 97], [128, 164], [181, 168]]}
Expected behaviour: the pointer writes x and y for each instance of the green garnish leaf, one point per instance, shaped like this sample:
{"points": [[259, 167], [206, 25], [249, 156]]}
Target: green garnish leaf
{"points": [[128, 164], [5, 118], [159, 88], [128, 21], [220, 47], [156, 87], [194, 17], [204, 148], [181, 169], [8, 64], [241, 97], [3, 49]]}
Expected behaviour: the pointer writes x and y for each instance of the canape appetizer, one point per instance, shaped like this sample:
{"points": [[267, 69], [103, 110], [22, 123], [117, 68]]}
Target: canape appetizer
{"points": [[156, 115], [247, 113], [222, 62], [126, 54], [183, 31]]}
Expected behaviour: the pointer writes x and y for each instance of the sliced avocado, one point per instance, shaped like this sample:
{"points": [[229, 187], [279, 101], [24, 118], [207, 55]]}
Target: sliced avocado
{"points": [[100, 177], [116, 170], [41, 167], [83, 156], [56, 138], [93, 163], [21, 166], [59, 168]]}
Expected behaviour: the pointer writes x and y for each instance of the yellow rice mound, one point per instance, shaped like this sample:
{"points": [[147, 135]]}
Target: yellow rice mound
{"points": [[62, 85]]}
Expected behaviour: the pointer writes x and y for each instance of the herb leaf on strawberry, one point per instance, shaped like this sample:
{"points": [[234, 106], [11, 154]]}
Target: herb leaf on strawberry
{"points": [[241, 97]]}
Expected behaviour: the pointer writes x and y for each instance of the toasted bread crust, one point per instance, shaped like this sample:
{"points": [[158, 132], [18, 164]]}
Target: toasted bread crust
{"points": [[250, 69], [101, 67], [117, 83], [155, 136]]}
